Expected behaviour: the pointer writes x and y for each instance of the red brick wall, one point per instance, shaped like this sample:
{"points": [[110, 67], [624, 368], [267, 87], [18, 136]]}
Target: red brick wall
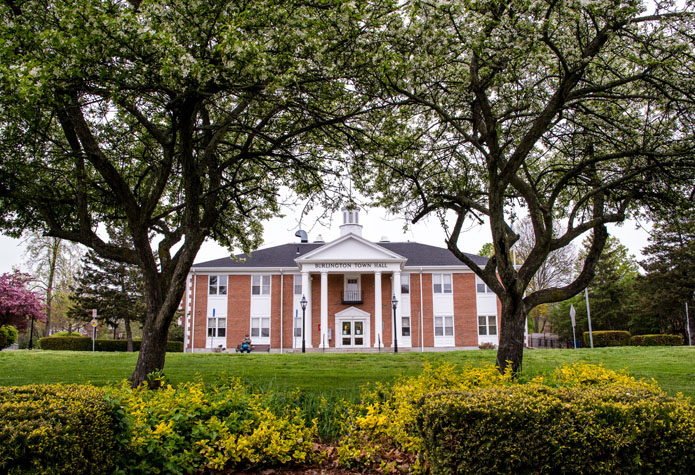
{"points": [[428, 309], [238, 309], [465, 312], [200, 311], [415, 330]]}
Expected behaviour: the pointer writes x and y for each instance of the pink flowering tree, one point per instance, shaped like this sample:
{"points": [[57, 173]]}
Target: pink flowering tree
{"points": [[17, 303]]}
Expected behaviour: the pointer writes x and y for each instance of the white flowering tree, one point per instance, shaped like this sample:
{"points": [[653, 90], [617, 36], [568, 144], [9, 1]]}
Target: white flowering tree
{"points": [[173, 121], [578, 112]]}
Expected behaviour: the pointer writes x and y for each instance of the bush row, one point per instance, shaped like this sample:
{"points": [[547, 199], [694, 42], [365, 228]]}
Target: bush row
{"points": [[581, 419], [538, 429], [623, 338], [85, 344], [57, 429], [656, 340], [81, 429]]}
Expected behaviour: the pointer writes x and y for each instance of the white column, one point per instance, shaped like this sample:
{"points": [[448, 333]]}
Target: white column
{"points": [[378, 322], [306, 291], [397, 293], [323, 343]]}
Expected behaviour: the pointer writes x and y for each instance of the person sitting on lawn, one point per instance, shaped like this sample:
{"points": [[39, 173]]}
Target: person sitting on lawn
{"points": [[246, 344]]}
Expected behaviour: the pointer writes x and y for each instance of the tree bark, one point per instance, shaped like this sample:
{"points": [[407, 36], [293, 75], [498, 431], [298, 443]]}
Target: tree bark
{"points": [[511, 346]]}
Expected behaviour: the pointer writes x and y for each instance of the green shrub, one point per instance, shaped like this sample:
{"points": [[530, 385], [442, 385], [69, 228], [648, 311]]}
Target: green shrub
{"points": [[57, 429], [81, 343], [71, 335], [208, 428], [656, 340], [608, 338], [3, 341], [539, 429], [383, 425], [85, 344], [10, 334]]}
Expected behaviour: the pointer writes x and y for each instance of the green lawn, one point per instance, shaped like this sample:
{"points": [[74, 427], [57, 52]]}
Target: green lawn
{"points": [[333, 374]]}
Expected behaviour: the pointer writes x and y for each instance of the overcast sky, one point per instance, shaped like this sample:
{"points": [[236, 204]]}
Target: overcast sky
{"points": [[375, 225]]}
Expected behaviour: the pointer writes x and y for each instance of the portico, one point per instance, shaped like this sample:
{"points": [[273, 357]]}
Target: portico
{"points": [[366, 269]]}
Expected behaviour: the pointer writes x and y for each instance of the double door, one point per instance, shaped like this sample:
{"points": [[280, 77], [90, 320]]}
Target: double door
{"points": [[352, 334]]}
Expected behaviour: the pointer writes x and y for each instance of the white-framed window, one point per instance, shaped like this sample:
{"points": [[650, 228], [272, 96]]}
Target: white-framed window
{"points": [[260, 285], [260, 327], [482, 288], [217, 285], [405, 326], [405, 283], [443, 325], [217, 327], [297, 284], [441, 283], [298, 327], [351, 290], [487, 325]]}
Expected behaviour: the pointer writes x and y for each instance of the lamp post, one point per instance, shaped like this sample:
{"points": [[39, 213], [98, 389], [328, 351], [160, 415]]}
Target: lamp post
{"points": [[31, 333], [303, 303], [394, 303]]}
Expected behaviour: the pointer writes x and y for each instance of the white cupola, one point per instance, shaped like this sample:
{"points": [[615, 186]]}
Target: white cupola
{"points": [[351, 222]]}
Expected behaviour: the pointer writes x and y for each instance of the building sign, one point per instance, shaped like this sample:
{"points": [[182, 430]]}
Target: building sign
{"points": [[351, 266]]}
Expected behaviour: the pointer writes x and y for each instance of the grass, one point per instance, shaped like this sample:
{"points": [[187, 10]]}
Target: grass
{"points": [[334, 375]]}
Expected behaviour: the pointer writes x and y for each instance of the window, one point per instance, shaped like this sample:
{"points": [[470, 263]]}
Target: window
{"points": [[260, 285], [298, 327], [260, 327], [441, 283], [405, 326], [487, 325], [297, 285], [444, 326], [217, 327], [217, 285], [405, 283], [482, 288]]}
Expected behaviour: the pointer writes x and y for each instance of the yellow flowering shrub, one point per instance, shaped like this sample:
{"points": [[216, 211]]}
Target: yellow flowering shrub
{"points": [[445, 417], [384, 420], [222, 426], [57, 429]]}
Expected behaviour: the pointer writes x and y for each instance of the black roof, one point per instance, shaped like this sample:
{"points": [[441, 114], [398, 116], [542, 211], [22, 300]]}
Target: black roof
{"points": [[285, 254]]}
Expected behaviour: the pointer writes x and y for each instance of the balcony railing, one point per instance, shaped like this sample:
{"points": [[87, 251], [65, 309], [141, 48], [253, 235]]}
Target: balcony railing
{"points": [[352, 296]]}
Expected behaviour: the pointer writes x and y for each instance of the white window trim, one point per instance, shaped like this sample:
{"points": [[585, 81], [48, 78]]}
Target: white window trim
{"points": [[270, 285], [441, 279], [218, 284], [487, 325], [444, 340], [259, 339], [405, 277]]}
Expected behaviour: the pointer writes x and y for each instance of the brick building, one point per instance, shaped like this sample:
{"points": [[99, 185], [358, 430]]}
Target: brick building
{"points": [[348, 285]]}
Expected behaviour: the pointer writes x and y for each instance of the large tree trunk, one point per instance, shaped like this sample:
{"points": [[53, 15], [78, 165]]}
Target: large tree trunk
{"points": [[511, 347], [151, 356]]}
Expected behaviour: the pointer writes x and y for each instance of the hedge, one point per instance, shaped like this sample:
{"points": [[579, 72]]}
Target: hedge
{"points": [[608, 338], [656, 340], [58, 429], [85, 344], [10, 333], [539, 429]]}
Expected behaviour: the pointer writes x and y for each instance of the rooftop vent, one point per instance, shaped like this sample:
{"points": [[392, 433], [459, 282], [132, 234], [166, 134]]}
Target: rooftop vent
{"points": [[319, 238], [301, 234], [384, 239]]}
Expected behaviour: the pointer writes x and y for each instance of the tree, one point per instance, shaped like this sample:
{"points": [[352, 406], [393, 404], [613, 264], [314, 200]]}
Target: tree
{"points": [[173, 122], [611, 292], [54, 263], [17, 303], [669, 281], [580, 112], [114, 289]]}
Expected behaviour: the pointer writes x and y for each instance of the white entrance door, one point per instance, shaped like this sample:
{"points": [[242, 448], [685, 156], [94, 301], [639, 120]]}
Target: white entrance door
{"points": [[352, 334]]}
